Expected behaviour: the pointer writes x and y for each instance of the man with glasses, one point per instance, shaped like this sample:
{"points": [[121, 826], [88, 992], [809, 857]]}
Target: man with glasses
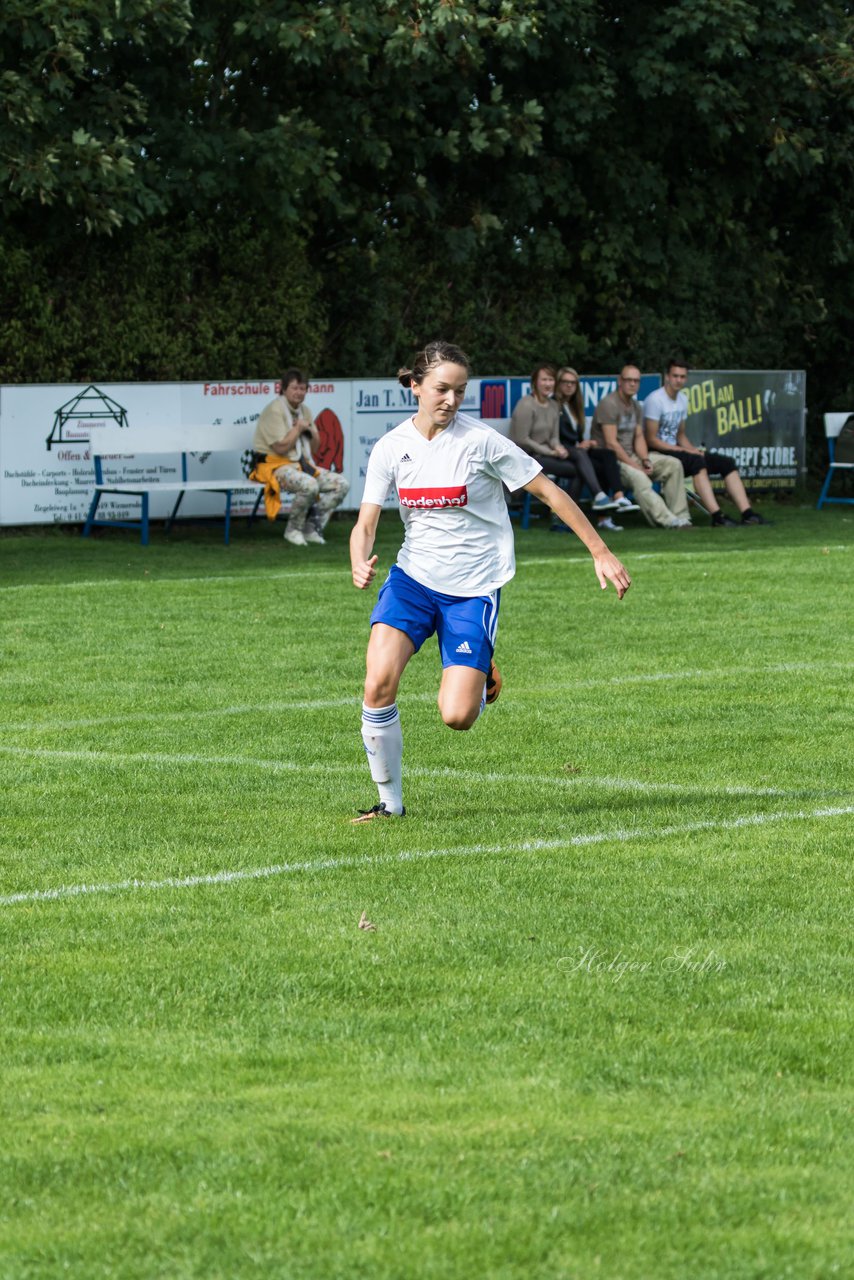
{"points": [[618, 425], [597, 467]]}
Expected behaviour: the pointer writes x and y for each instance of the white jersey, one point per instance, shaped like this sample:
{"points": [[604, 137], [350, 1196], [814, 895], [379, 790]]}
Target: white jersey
{"points": [[458, 535], [669, 414]]}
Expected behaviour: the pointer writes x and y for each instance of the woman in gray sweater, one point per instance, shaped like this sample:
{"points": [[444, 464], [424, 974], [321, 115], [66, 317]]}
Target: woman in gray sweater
{"points": [[535, 427]]}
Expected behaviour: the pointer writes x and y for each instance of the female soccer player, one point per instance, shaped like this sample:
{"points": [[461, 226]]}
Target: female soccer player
{"points": [[448, 470]]}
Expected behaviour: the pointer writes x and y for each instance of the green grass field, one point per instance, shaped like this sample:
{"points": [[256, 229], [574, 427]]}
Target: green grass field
{"points": [[603, 1025]]}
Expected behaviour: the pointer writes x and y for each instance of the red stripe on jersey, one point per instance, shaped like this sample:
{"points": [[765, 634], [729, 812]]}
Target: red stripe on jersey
{"points": [[429, 499]]}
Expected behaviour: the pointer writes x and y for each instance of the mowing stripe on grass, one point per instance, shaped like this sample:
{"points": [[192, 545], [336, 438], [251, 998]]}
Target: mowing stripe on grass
{"points": [[415, 771], [285, 574], [281, 575], [326, 704], [150, 581], [619, 836]]}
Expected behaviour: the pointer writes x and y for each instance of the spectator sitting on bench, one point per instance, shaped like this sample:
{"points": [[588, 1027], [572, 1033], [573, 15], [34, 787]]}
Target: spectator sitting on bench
{"points": [[664, 413], [283, 441], [534, 427], [618, 425], [597, 467]]}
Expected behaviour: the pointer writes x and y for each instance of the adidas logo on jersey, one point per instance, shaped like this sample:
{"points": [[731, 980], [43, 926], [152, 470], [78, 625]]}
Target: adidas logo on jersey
{"points": [[465, 647], [406, 458]]}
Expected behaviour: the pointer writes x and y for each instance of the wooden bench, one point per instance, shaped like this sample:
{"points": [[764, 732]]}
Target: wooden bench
{"points": [[112, 444]]}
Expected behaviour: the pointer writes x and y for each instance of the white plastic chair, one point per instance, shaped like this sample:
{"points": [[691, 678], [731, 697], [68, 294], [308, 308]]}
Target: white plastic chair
{"points": [[833, 424]]}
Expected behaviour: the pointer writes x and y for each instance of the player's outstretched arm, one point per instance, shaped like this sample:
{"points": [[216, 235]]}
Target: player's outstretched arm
{"points": [[364, 565], [608, 567]]}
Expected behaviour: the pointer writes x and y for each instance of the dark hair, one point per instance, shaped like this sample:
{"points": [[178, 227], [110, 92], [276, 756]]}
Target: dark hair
{"points": [[289, 376], [545, 367], [434, 354], [675, 362], [575, 401]]}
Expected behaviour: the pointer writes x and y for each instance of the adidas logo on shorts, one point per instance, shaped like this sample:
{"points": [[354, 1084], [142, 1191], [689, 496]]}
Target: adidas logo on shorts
{"points": [[465, 647]]}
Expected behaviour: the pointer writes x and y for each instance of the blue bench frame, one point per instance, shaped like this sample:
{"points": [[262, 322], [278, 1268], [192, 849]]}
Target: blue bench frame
{"points": [[118, 441]]}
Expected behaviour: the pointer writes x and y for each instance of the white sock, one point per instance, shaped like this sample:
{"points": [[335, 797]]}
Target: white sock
{"points": [[383, 739]]}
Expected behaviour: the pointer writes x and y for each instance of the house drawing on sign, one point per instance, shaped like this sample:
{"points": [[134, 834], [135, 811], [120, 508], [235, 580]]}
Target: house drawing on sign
{"points": [[73, 421]]}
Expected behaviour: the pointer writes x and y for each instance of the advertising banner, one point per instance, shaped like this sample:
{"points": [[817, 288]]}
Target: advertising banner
{"points": [[47, 471], [241, 404], [378, 406], [499, 396], [46, 467], [757, 417]]}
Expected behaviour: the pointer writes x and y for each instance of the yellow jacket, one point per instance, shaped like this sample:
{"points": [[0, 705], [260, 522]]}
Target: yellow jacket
{"points": [[265, 473]]}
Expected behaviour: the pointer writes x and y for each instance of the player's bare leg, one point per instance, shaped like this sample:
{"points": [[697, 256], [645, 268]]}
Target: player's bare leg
{"points": [[461, 696], [389, 650]]}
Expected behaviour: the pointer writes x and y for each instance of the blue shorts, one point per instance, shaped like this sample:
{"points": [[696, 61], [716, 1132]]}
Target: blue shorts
{"points": [[465, 626]]}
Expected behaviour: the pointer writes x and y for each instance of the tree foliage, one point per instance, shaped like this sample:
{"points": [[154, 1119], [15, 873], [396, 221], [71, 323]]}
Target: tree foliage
{"points": [[183, 302], [73, 132], [582, 178]]}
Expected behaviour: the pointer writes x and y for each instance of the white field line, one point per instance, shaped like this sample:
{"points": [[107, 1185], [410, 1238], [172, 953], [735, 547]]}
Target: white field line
{"points": [[235, 579], [619, 836], [572, 782], [352, 700]]}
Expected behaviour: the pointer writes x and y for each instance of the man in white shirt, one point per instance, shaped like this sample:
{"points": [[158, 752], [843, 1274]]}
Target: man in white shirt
{"points": [[665, 412]]}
